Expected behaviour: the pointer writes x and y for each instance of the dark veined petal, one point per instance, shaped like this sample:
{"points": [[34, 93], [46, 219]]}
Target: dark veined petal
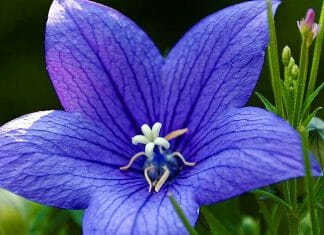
{"points": [[135, 211], [242, 150], [215, 66], [102, 65], [60, 159]]}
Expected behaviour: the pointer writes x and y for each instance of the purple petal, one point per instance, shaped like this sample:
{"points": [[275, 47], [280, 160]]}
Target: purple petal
{"points": [[242, 150], [135, 211], [215, 66], [60, 159], [102, 65]]}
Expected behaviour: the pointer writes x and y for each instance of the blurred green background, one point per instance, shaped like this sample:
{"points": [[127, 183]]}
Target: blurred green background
{"points": [[25, 86]]}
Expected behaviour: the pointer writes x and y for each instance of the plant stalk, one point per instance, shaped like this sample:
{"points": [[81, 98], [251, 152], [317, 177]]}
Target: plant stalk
{"points": [[317, 55], [274, 61], [302, 79], [309, 182]]}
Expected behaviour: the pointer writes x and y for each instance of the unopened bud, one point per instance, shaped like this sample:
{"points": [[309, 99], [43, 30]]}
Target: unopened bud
{"points": [[286, 55], [310, 18], [249, 226], [291, 63], [294, 71], [308, 28]]}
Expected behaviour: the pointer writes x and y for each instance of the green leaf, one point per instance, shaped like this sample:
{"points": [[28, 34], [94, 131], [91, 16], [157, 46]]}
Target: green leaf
{"points": [[228, 213], [309, 100], [182, 216], [216, 228], [277, 214], [267, 104], [288, 100], [272, 196], [316, 139], [274, 59], [77, 216], [320, 195], [311, 116]]}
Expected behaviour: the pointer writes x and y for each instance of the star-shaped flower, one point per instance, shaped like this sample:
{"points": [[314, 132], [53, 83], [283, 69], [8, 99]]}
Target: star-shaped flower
{"points": [[112, 81]]}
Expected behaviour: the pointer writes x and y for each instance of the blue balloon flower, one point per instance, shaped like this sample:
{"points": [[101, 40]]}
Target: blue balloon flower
{"points": [[138, 126]]}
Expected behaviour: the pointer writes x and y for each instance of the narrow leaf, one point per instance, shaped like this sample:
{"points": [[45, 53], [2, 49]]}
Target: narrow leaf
{"points": [[267, 104], [311, 116], [274, 59], [309, 100], [182, 216], [270, 195], [316, 139], [216, 228]]}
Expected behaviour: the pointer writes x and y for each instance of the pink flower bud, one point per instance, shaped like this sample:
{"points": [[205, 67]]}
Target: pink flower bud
{"points": [[310, 18], [307, 27]]}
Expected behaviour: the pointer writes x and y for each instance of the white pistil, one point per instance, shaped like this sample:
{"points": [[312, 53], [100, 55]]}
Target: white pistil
{"points": [[156, 130], [147, 132], [149, 149], [179, 155], [162, 142], [151, 138], [163, 179], [140, 139], [133, 159]]}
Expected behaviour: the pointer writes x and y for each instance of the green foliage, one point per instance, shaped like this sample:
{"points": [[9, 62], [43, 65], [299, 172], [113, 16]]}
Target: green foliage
{"points": [[316, 139], [267, 104], [214, 225], [182, 216]]}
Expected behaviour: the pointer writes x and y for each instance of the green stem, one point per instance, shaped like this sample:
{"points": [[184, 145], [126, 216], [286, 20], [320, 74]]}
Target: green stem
{"points": [[293, 223], [266, 215], [294, 213], [301, 84], [182, 216], [274, 61], [317, 55], [309, 182], [291, 214]]}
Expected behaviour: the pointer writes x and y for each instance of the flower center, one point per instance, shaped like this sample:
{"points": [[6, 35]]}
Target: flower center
{"points": [[161, 164]]}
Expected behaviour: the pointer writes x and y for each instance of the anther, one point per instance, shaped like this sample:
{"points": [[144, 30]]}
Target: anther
{"points": [[175, 134], [132, 160], [163, 179], [179, 155]]}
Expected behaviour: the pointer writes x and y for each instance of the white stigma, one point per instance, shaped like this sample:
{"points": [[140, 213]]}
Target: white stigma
{"points": [[151, 138]]}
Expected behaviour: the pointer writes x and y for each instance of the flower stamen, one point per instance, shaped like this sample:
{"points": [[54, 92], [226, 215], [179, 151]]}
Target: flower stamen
{"points": [[132, 160], [175, 134], [179, 155], [148, 178], [163, 179], [161, 163]]}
